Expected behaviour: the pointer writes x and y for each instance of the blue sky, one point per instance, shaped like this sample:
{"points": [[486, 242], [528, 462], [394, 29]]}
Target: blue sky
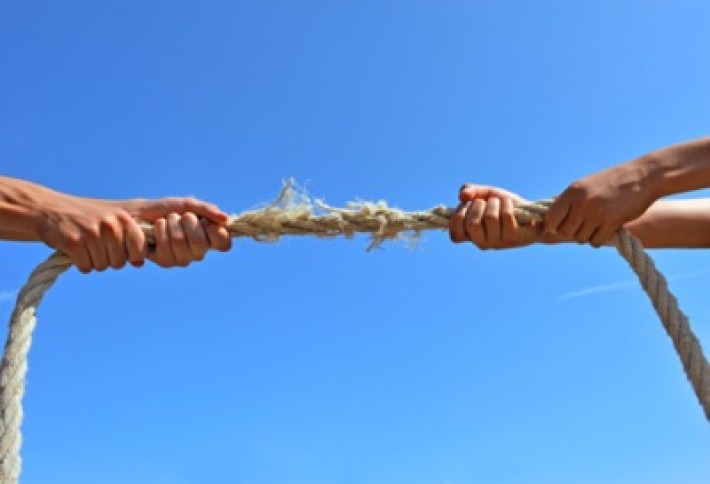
{"points": [[312, 361]]}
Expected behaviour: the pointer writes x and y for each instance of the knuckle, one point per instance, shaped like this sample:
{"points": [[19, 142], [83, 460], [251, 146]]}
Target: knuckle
{"points": [[111, 227], [457, 219], [92, 233], [191, 218], [125, 218], [74, 241], [577, 188]]}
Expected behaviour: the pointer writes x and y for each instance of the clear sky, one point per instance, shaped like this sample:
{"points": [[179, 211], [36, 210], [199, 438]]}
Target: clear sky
{"points": [[316, 362]]}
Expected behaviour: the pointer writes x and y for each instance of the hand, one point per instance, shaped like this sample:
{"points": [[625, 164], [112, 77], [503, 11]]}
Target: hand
{"points": [[184, 229], [593, 208], [486, 217], [97, 234]]}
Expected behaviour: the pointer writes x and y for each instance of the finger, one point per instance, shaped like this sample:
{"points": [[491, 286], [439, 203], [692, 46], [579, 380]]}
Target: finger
{"points": [[204, 209], [162, 208], [509, 225], [178, 240], [571, 223], [98, 255], [491, 222], [81, 259], [163, 253], [195, 235], [475, 231], [469, 192], [115, 249], [218, 236], [585, 232], [603, 235], [555, 215], [457, 232], [136, 245]]}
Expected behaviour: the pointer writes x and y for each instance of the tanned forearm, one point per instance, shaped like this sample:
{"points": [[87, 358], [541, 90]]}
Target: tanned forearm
{"points": [[675, 223], [679, 168]]}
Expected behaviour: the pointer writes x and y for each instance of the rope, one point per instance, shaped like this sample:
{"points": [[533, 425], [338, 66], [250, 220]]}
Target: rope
{"points": [[284, 218]]}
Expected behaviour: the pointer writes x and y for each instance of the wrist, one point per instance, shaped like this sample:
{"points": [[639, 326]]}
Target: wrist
{"points": [[651, 172]]}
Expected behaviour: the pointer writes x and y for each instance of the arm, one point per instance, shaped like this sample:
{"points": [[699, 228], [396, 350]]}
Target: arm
{"points": [[593, 208], [485, 217], [97, 234], [20, 208], [680, 168], [674, 224]]}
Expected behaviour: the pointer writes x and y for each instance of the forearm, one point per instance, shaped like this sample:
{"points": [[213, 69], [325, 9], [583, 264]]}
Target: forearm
{"points": [[674, 224], [21, 206], [679, 168]]}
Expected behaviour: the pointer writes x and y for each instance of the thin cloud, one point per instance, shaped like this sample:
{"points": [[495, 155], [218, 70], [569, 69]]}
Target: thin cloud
{"points": [[624, 285], [7, 296]]}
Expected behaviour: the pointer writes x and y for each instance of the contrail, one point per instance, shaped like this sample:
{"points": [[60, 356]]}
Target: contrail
{"points": [[7, 296], [620, 286]]}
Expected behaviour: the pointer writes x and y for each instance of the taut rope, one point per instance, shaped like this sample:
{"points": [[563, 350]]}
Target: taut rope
{"points": [[274, 221]]}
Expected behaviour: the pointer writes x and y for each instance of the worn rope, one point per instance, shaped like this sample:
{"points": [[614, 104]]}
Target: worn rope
{"points": [[269, 224]]}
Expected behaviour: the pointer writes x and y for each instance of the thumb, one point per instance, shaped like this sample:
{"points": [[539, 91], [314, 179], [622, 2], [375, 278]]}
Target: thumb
{"points": [[161, 208], [470, 192]]}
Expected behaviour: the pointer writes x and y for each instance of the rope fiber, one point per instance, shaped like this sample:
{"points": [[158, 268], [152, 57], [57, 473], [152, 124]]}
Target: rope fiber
{"points": [[300, 217]]}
